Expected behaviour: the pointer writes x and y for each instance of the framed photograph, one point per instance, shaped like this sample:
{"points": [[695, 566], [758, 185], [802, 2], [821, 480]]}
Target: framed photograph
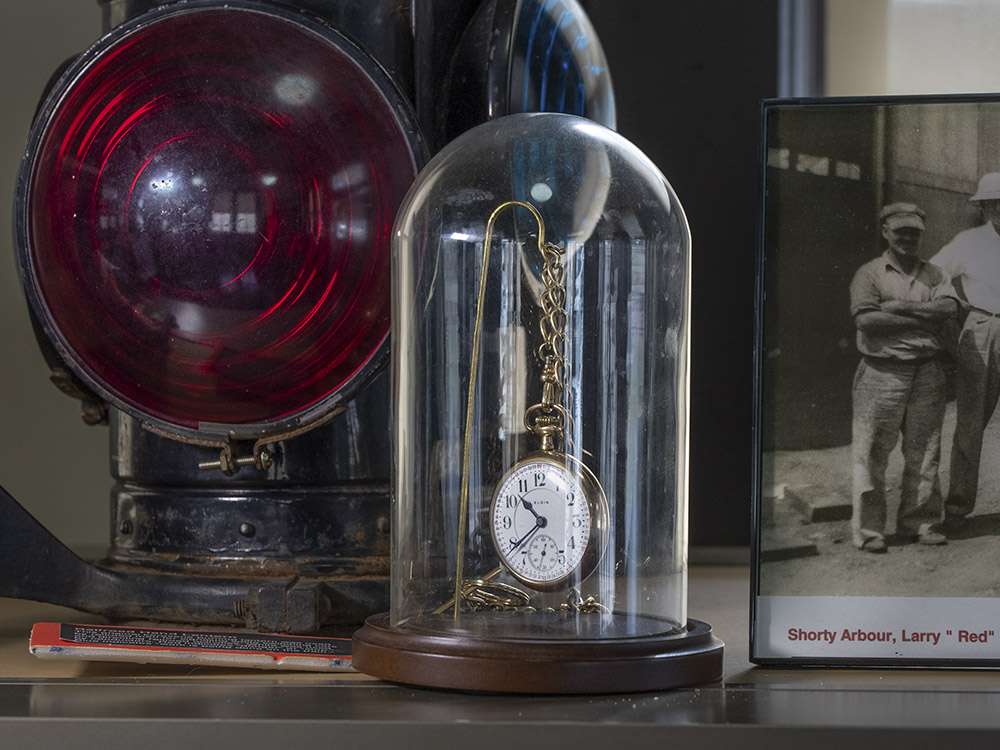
{"points": [[877, 477]]}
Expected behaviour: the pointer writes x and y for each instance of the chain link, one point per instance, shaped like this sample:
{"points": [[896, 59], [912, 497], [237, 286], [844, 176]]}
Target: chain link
{"points": [[548, 418], [553, 322], [492, 596]]}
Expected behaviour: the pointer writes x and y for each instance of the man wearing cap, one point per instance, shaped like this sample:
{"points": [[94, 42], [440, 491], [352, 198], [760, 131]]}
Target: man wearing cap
{"points": [[972, 261], [900, 303]]}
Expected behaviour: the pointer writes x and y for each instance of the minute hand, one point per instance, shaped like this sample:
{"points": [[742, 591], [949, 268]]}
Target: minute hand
{"points": [[540, 523]]}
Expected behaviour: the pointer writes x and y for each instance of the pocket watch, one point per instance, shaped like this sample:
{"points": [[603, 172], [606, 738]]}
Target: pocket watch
{"points": [[549, 519]]}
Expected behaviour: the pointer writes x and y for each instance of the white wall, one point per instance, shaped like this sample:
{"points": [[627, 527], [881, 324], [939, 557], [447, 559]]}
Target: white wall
{"points": [[877, 47], [856, 52]]}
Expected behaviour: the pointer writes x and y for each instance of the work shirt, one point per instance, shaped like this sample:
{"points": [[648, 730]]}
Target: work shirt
{"points": [[881, 280], [973, 258]]}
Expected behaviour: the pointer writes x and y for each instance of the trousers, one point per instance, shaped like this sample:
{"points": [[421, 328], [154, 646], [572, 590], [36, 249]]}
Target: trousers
{"points": [[977, 383], [891, 400]]}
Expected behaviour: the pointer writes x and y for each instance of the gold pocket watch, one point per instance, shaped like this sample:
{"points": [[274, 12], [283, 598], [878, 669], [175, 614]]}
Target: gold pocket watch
{"points": [[548, 514], [549, 521]]}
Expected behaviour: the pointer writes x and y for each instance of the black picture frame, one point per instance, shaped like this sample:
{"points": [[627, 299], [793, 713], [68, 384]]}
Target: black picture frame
{"points": [[828, 169]]}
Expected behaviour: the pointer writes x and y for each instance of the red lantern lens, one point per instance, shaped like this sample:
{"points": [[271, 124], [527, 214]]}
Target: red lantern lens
{"points": [[207, 212]]}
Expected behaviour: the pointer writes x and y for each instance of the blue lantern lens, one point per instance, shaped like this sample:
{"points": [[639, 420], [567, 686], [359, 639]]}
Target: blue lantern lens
{"points": [[557, 63], [525, 56]]}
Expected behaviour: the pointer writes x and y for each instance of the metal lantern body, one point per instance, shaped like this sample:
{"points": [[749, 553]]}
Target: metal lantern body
{"points": [[202, 225], [540, 499], [203, 221]]}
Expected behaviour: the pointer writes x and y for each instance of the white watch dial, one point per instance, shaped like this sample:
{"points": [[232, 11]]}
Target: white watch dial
{"points": [[541, 521]]}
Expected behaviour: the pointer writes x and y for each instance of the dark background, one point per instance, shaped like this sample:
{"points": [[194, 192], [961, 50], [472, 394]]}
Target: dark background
{"points": [[689, 79]]}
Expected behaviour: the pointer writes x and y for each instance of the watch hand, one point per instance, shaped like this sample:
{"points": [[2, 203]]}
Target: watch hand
{"points": [[539, 523], [528, 505]]}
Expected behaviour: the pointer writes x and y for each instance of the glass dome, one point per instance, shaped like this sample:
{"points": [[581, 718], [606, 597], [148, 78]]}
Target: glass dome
{"points": [[541, 272]]}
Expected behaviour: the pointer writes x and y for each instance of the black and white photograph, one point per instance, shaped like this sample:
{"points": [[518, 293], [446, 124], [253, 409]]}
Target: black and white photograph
{"points": [[878, 379]]}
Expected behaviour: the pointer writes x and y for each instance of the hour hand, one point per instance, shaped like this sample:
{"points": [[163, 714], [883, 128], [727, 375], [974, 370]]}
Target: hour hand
{"points": [[526, 504]]}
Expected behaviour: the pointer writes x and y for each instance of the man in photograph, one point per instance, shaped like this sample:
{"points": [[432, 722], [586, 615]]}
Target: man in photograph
{"points": [[972, 261], [900, 304]]}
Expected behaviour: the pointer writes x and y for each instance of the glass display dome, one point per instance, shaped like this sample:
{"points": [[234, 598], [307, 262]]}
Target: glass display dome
{"points": [[541, 274]]}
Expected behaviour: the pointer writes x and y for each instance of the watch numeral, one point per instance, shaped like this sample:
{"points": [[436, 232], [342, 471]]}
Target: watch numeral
{"points": [[539, 479], [522, 485], [570, 498]]}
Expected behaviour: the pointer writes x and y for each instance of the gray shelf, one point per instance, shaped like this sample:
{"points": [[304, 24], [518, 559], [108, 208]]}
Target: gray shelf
{"points": [[81, 704]]}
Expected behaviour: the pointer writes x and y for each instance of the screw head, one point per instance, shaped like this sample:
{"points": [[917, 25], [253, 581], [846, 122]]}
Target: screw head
{"points": [[266, 459], [248, 530]]}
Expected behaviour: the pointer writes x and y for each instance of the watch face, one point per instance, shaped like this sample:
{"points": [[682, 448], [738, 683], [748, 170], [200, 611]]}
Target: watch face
{"points": [[546, 521]]}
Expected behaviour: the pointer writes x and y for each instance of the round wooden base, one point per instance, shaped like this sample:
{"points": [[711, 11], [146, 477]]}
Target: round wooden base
{"points": [[505, 665]]}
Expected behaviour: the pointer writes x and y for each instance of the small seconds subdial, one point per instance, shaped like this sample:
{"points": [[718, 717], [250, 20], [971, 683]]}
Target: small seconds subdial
{"points": [[543, 553], [543, 521]]}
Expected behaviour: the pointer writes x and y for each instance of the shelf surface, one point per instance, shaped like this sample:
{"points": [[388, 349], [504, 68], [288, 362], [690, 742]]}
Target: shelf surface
{"points": [[81, 704]]}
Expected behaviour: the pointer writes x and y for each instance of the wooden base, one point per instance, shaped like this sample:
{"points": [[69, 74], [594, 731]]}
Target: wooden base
{"points": [[541, 666]]}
